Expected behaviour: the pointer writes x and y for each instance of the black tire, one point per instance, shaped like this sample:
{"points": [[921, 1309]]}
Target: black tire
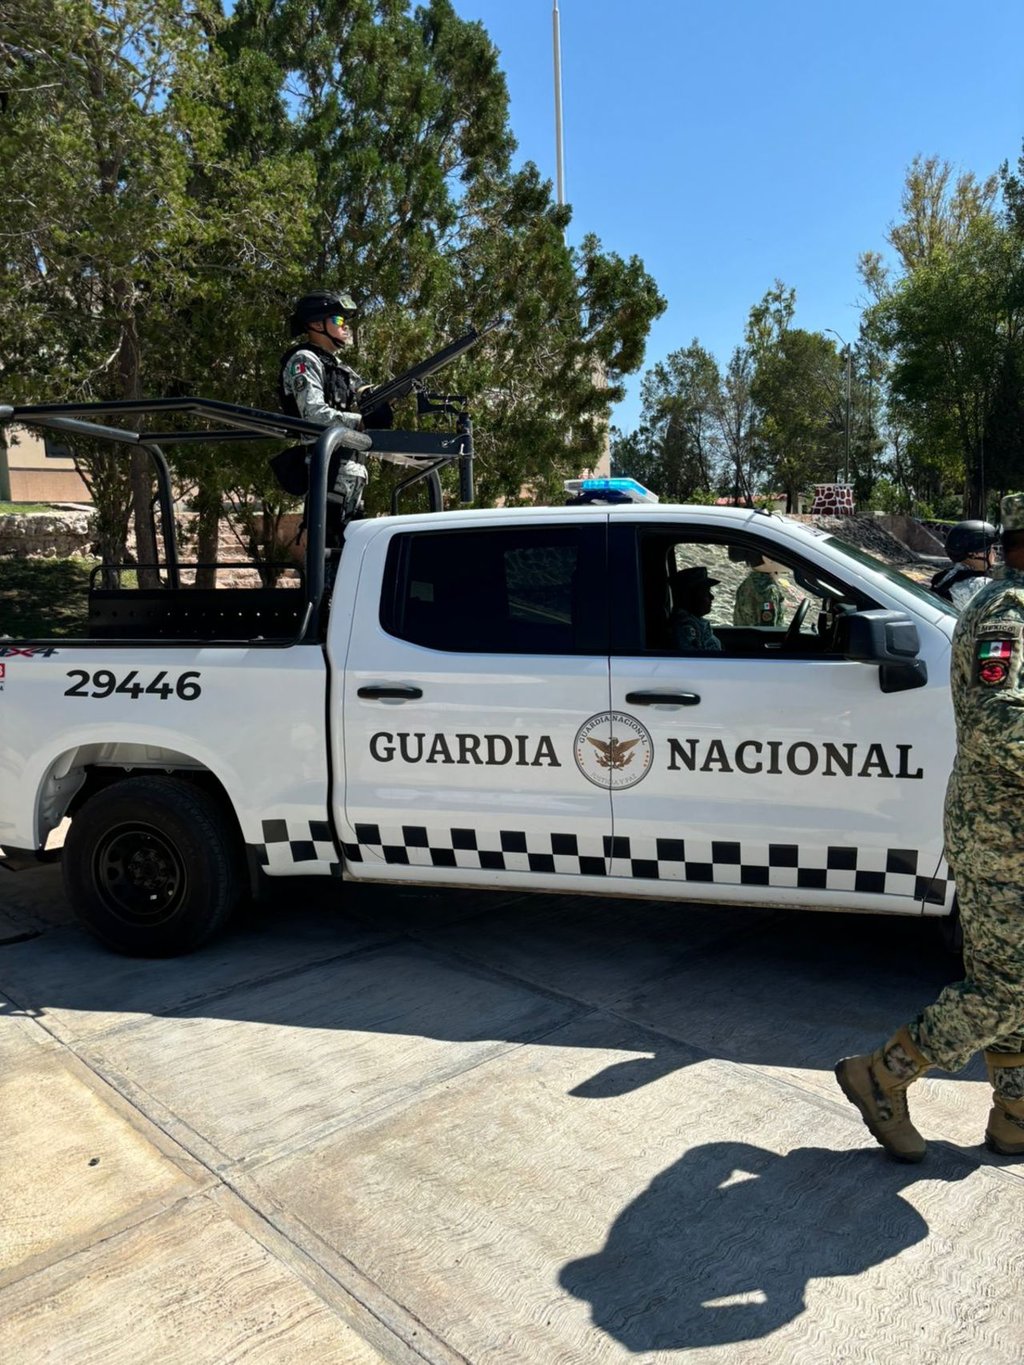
{"points": [[152, 866], [951, 931]]}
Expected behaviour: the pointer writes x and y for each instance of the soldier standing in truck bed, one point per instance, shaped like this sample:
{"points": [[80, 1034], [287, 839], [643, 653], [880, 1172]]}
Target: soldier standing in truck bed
{"points": [[316, 385]]}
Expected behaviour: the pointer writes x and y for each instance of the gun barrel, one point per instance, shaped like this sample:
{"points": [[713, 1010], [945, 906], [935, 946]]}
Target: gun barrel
{"points": [[404, 383]]}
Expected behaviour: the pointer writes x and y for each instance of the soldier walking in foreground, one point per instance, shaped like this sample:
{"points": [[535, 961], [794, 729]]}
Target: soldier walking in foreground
{"points": [[984, 831]]}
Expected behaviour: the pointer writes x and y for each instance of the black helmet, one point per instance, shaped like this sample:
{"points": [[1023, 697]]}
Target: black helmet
{"points": [[970, 538], [317, 306]]}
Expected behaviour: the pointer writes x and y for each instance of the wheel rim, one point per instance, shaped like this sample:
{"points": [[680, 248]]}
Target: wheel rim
{"points": [[141, 875]]}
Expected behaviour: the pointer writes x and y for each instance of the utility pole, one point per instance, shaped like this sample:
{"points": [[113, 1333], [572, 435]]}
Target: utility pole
{"points": [[848, 349], [559, 167]]}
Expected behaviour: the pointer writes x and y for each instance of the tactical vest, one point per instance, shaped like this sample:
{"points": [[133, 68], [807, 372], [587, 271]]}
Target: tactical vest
{"points": [[942, 583], [340, 383]]}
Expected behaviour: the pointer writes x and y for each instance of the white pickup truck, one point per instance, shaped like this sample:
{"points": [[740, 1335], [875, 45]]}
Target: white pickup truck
{"points": [[487, 699]]}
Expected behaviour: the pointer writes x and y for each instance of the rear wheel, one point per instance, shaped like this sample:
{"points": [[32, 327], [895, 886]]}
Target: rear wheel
{"points": [[152, 866], [951, 931]]}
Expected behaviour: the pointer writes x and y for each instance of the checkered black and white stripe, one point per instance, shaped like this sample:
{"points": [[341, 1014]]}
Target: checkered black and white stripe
{"points": [[298, 846], [503, 851], [839, 867], [884, 872]]}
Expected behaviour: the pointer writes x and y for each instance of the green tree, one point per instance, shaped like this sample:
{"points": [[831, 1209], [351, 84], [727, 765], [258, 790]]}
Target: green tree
{"points": [[949, 327], [796, 391], [938, 212], [953, 327], [415, 208], [174, 178], [738, 423], [680, 403], [135, 253]]}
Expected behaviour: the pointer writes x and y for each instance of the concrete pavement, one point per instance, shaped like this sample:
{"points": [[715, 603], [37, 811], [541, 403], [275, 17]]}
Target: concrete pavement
{"points": [[453, 1127]]}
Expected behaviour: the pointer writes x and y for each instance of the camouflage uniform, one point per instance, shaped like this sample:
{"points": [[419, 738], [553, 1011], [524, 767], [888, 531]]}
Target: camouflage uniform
{"points": [[958, 585], [692, 634], [759, 601], [309, 378], [984, 830]]}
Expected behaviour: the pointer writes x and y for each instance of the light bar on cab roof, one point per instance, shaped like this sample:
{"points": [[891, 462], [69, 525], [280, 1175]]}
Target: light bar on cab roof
{"points": [[622, 487]]}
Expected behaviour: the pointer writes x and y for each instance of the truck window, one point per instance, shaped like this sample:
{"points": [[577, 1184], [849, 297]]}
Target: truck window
{"points": [[535, 590], [763, 603]]}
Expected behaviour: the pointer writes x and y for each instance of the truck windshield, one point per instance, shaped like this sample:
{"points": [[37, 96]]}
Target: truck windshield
{"points": [[893, 575]]}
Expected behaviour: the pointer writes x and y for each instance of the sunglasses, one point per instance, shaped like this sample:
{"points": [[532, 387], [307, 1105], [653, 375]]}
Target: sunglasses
{"points": [[339, 320]]}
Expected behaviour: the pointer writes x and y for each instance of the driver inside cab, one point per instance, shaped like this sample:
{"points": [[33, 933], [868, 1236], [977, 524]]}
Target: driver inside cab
{"points": [[692, 600]]}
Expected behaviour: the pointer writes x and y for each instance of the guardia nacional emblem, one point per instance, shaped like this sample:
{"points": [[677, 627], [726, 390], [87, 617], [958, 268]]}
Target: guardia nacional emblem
{"points": [[613, 750]]}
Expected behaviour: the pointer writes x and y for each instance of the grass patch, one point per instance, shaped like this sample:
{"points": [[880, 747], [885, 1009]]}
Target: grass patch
{"points": [[44, 598], [17, 508]]}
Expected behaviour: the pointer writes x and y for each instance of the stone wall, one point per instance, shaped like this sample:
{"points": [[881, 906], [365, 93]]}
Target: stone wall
{"points": [[832, 500], [914, 533], [46, 535]]}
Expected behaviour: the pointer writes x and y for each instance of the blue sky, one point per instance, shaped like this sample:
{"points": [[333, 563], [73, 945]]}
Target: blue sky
{"points": [[731, 143]]}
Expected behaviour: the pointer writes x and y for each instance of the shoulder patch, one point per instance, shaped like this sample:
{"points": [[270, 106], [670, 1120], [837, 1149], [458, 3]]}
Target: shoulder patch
{"points": [[992, 660]]}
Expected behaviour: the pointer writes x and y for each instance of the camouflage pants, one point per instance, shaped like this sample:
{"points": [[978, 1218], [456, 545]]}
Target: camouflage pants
{"points": [[986, 1009], [347, 488]]}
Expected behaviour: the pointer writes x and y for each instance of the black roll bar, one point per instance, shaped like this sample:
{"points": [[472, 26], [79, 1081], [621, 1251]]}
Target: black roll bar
{"points": [[435, 450]]}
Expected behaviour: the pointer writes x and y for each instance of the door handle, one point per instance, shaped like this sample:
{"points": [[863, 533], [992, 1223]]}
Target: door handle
{"points": [[662, 699], [391, 691]]}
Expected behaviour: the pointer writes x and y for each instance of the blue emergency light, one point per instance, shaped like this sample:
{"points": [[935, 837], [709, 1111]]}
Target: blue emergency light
{"points": [[616, 490]]}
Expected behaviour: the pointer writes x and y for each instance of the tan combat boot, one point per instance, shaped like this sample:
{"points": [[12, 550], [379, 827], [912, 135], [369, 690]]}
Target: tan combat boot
{"points": [[1005, 1131], [877, 1085]]}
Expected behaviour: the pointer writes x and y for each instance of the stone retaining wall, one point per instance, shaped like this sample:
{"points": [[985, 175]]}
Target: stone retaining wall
{"points": [[46, 535]]}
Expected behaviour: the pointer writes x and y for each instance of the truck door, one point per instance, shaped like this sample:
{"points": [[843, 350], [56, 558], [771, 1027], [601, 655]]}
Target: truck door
{"points": [[774, 769], [465, 688]]}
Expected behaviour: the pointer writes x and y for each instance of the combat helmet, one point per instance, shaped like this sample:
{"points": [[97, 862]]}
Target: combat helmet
{"points": [[320, 304], [970, 538], [1011, 510]]}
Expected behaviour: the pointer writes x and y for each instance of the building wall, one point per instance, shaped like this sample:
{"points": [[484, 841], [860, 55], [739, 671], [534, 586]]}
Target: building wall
{"points": [[39, 477]]}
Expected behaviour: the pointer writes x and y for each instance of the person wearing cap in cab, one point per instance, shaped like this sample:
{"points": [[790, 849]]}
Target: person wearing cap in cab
{"points": [[692, 599], [759, 598], [984, 831]]}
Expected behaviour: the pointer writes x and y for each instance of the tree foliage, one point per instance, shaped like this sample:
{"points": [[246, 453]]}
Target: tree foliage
{"points": [[175, 176], [952, 326], [925, 409]]}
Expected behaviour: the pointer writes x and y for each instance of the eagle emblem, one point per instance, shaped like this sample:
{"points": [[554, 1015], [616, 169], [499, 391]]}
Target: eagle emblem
{"points": [[615, 754], [613, 764]]}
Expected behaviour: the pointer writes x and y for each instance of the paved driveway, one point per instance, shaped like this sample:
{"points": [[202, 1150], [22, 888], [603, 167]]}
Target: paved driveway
{"points": [[445, 1126]]}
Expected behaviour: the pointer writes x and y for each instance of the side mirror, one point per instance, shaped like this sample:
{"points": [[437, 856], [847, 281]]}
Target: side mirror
{"points": [[879, 637], [887, 638]]}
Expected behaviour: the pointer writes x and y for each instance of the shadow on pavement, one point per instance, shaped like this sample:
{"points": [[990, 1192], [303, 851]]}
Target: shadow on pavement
{"points": [[720, 1246], [756, 986]]}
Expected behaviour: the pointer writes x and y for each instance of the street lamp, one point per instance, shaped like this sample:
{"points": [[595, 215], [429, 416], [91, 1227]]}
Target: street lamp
{"points": [[849, 368]]}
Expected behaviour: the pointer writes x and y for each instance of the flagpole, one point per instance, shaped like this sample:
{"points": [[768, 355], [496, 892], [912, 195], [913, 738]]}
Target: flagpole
{"points": [[560, 169]]}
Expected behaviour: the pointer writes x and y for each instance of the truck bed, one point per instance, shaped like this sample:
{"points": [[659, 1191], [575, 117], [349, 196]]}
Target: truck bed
{"points": [[189, 613]]}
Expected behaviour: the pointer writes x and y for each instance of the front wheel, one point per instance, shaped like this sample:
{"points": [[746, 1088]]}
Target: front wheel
{"points": [[152, 866]]}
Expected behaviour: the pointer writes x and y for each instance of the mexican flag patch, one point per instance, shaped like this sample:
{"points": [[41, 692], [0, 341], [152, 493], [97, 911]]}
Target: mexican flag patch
{"points": [[994, 661], [995, 649]]}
